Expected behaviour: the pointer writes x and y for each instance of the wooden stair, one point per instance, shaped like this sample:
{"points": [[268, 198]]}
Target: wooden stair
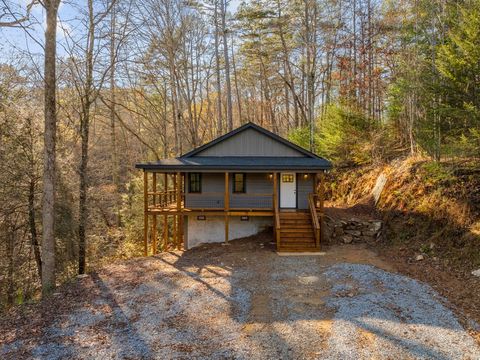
{"points": [[296, 232]]}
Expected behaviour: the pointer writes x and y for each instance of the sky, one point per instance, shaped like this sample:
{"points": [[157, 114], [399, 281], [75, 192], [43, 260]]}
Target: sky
{"points": [[15, 40]]}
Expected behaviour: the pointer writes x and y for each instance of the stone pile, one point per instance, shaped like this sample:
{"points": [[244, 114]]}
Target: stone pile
{"points": [[352, 230]]}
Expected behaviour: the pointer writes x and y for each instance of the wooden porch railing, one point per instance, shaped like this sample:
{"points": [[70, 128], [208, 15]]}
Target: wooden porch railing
{"points": [[312, 204], [163, 198], [277, 223]]}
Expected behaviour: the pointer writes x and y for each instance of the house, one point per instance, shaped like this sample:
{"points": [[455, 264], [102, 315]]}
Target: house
{"points": [[232, 187]]}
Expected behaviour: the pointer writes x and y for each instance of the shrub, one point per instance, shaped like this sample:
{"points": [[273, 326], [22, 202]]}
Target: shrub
{"points": [[345, 136]]}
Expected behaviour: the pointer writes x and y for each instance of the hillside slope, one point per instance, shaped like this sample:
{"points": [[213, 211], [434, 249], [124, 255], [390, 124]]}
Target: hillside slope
{"points": [[431, 215]]}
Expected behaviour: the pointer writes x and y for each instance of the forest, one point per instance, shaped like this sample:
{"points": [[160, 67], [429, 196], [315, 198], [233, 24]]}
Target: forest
{"points": [[89, 88]]}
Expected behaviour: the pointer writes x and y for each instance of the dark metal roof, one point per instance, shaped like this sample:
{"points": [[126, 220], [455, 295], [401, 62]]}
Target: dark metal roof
{"points": [[249, 125], [244, 163], [189, 162]]}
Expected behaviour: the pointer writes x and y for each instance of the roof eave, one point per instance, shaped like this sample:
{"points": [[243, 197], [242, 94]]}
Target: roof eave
{"points": [[259, 168]]}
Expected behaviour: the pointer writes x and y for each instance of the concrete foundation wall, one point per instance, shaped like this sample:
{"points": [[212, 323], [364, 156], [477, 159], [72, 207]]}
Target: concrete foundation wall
{"points": [[212, 229]]}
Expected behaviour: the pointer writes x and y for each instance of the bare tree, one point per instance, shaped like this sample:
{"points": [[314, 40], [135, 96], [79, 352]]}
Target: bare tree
{"points": [[226, 59], [50, 139]]}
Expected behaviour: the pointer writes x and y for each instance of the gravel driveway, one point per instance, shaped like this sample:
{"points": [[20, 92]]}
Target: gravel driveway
{"points": [[242, 301]]}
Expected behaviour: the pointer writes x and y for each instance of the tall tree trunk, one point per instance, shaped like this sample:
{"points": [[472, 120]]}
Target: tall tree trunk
{"points": [[164, 122], [50, 136], [31, 197], [33, 227], [11, 264], [237, 91], [227, 66], [286, 97], [371, 94], [217, 72], [353, 89], [84, 135], [82, 223], [310, 23], [173, 89], [113, 138]]}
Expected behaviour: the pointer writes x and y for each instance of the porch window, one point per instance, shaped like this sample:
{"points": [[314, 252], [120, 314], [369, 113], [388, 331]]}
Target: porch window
{"points": [[287, 178], [194, 182], [239, 183]]}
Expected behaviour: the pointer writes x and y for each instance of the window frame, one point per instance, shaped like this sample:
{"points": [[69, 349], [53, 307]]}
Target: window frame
{"points": [[244, 181], [190, 176], [288, 178]]}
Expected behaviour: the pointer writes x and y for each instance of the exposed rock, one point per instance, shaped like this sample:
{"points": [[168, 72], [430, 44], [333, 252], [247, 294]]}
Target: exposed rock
{"points": [[375, 225], [338, 231], [378, 188], [347, 239], [353, 232], [476, 273], [367, 239], [420, 257]]}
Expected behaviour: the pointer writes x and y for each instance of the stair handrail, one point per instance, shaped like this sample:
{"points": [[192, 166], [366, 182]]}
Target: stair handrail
{"points": [[313, 212], [277, 222]]}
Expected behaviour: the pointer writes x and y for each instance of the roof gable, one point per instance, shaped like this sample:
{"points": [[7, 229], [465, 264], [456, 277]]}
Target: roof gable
{"points": [[250, 140]]}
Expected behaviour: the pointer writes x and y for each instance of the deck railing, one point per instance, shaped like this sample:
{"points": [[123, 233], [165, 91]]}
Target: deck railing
{"points": [[161, 199], [212, 200], [277, 222], [312, 204]]}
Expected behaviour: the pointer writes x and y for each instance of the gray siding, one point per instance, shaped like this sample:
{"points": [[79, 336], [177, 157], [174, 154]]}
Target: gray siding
{"points": [[304, 187], [250, 143], [259, 184], [213, 187]]}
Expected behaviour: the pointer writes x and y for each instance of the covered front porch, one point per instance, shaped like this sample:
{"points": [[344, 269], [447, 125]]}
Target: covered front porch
{"points": [[168, 203]]}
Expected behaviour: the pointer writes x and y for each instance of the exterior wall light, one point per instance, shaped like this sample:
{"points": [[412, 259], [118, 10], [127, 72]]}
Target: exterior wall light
{"points": [[201, 217], [244, 218]]}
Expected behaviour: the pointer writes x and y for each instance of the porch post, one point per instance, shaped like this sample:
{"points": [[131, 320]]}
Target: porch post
{"points": [[321, 197], [165, 190], [145, 212], [154, 215], [154, 234], [165, 216], [275, 192], [180, 216], [275, 210], [226, 202], [154, 185], [179, 207]]}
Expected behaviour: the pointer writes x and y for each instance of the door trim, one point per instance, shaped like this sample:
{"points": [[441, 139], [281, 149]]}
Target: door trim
{"points": [[295, 190]]}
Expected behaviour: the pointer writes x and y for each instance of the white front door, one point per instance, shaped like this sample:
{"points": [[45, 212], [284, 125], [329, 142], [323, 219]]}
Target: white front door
{"points": [[288, 190]]}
